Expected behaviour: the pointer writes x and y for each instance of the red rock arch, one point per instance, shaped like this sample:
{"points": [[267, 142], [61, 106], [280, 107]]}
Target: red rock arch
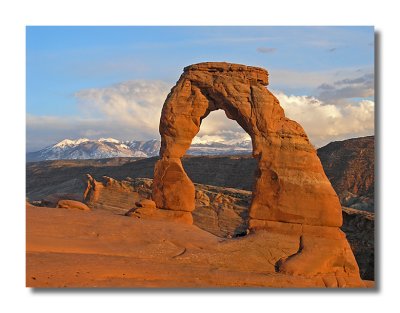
{"points": [[291, 185]]}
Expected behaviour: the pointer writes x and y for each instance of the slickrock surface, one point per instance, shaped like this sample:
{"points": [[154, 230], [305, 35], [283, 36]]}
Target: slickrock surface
{"points": [[72, 248], [224, 213], [225, 219], [349, 164]]}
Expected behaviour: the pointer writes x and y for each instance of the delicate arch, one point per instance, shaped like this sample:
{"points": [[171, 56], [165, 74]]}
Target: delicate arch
{"points": [[290, 186]]}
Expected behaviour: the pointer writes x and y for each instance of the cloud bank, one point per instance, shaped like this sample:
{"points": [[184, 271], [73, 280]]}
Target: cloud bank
{"points": [[358, 87], [132, 109], [325, 122], [128, 110]]}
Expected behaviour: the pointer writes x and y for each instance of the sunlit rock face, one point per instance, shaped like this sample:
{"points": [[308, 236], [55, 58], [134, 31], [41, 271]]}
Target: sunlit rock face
{"points": [[291, 185]]}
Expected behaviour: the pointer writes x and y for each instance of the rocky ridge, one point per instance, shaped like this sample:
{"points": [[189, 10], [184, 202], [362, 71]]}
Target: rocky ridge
{"points": [[349, 165]]}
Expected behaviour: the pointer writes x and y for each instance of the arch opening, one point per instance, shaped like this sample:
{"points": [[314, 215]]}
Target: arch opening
{"points": [[223, 186]]}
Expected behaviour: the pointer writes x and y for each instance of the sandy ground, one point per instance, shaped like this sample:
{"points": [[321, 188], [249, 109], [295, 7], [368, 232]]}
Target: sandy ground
{"points": [[72, 248]]}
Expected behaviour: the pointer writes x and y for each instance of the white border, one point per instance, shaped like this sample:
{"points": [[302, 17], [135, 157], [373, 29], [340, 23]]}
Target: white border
{"points": [[15, 15]]}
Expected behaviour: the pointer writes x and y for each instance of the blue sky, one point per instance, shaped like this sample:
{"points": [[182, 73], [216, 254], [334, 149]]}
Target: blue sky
{"points": [[71, 69]]}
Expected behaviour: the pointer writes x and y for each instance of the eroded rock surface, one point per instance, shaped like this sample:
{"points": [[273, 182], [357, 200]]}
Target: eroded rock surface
{"points": [[110, 194]]}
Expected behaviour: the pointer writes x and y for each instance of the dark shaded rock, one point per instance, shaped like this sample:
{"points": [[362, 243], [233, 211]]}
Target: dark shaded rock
{"points": [[349, 165], [359, 228]]}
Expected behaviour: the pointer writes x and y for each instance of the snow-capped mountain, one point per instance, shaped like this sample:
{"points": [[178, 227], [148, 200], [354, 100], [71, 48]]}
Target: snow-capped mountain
{"points": [[218, 148], [102, 148], [84, 148]]}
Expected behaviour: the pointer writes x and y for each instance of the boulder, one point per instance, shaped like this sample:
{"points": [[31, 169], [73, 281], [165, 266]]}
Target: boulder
{"points": [[146, 203], [72, 204]]}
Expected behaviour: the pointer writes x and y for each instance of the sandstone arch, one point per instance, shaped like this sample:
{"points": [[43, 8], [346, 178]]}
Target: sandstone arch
{"points": [[291, 186]]}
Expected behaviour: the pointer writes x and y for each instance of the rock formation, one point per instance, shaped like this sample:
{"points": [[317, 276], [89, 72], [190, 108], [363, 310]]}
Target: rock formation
{"points": [[291, 185], [291, 195], [349, 165], [147, 209], [110, 194], [359, 227], [72, 204]]}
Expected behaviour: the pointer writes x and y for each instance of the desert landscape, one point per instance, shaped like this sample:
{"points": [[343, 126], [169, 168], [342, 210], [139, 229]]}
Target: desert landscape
{"points": [[287, 216]]}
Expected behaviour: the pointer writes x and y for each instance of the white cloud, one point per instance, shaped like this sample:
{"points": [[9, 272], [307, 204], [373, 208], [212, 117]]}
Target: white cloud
{"points": [[217, 127], [43, 131], [137, 103], [128, 110], [324, 123], [226, 136], [132, 109]]}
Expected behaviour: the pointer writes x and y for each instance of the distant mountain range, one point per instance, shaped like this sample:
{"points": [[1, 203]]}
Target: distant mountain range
{"points": [[102, 148]]}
